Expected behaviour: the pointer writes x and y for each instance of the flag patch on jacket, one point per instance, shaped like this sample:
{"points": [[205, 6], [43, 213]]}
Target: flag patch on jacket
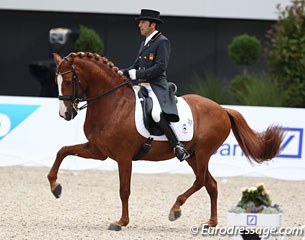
{"points": [[151, 56]]}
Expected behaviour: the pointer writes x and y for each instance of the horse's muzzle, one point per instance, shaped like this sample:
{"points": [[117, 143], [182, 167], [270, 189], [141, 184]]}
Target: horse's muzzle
{"points": [[70, 113]]}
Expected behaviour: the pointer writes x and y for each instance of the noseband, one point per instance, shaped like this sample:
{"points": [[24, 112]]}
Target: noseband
{"points": [[75, 83], [76, 99]]}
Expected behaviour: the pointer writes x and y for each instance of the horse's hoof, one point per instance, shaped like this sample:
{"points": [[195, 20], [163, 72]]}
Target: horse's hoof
{"points": [[114, 227], [174, 215], [57, 191], [209, 224]]}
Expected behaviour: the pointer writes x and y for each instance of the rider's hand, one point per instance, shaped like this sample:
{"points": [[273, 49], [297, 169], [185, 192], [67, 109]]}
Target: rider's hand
{"points": [[132, 74], [123, 72]]}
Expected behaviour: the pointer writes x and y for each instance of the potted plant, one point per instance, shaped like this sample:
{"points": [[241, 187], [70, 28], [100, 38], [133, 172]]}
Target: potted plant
{"points": [[254, 210]]}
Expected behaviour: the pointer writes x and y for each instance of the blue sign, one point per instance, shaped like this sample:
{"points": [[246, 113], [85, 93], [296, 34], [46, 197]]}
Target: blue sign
{"points": [[292, 144], [11, 115], [252, 220]]}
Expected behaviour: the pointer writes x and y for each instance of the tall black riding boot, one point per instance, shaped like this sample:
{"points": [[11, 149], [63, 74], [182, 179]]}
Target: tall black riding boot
{"points": [[180, 152]]}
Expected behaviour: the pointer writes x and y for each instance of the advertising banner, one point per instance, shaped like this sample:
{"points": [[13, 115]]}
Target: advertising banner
{"points": [[31, 133]]}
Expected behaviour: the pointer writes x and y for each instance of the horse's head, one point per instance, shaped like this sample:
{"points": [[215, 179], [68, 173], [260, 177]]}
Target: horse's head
{"points": [[70, 89], [72, 77]]}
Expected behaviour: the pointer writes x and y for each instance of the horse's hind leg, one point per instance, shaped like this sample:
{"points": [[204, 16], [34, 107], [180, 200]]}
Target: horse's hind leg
{"points": [[85, 150], [211, 187], [200, 172]]}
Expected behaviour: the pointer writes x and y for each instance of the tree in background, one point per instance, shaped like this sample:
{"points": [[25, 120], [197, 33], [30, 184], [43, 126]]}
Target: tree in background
{"points": [[89, 41], [285, 52], [245, 50]]}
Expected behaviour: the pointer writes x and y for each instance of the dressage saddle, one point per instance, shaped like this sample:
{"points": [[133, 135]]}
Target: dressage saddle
{"points": [[147, 106]]}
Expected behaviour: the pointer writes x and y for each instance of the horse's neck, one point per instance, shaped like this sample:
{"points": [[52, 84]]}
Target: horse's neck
{"points": [[117, 104]]}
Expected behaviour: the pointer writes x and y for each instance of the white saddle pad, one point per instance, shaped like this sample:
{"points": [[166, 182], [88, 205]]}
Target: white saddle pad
{"points": [[184, 129]]}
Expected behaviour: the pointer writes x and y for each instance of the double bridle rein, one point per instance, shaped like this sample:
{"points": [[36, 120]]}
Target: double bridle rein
{"points": [[76, 99]]}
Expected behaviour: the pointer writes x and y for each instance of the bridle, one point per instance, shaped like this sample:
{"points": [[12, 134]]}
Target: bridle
{"points": [[76, 84]]}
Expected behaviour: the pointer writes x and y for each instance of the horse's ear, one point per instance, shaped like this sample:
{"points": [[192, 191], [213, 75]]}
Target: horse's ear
{"points": [[57, 58]]}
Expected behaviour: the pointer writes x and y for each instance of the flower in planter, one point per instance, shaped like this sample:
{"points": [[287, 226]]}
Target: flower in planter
{"points": [[255, 200], [258, 195]]}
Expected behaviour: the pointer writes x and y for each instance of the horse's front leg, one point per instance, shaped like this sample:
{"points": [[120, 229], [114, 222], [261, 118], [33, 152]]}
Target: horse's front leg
{"points": [[85, 150], [125, 177]]}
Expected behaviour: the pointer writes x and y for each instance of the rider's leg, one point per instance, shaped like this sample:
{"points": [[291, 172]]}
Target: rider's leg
{"points": [[180, 152], [164, 125]]}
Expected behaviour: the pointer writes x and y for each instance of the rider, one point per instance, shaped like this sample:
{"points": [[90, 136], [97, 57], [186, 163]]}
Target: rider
{"points": [[149, 70]]}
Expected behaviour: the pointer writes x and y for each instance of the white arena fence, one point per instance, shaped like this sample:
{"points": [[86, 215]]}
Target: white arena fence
{"points": [[31, 133]]}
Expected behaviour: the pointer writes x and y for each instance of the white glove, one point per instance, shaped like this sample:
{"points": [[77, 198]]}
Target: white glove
{"points": [[132, 74]]}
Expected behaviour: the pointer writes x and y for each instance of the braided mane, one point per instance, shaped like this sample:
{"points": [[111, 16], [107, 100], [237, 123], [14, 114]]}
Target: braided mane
{"points": [[96, 57]]}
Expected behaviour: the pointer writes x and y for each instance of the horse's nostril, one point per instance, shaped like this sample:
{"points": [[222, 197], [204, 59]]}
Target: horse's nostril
{"points": [[68, 116]]}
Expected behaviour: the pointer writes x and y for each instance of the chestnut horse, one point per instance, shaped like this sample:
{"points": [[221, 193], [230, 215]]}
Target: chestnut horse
{"points": [[111, 132]]}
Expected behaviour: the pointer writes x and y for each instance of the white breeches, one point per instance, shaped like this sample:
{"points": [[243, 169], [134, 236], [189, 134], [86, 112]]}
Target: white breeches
{"points": [[156, 111]]}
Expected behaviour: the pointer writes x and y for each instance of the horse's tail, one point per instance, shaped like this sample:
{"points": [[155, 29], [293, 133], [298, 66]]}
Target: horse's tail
{"points": [[256, 146]]}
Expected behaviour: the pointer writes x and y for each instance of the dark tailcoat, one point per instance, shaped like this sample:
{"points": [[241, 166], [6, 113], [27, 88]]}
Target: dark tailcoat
{"points": [[151, 64]]}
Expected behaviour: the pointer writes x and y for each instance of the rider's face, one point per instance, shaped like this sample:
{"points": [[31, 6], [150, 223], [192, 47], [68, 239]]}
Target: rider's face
{"points": [[146, 27]]}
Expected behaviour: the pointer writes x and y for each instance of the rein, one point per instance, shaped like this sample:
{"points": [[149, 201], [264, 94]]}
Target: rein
{"points": [[75, 99], [98, 97]]}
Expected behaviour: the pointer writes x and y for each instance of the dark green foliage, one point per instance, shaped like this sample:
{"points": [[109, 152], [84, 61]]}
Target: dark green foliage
{"points": [[256, 200], [257, 195], [212, 88], [285, 52], [257, 91], [89, 41], [241, 82], [245, 50]]}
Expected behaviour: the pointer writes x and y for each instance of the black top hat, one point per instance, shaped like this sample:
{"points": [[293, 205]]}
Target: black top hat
{"points": [[147, 14]]}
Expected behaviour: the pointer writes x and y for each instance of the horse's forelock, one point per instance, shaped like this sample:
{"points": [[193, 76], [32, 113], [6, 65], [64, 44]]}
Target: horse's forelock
{"points": [[68, 60]]}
